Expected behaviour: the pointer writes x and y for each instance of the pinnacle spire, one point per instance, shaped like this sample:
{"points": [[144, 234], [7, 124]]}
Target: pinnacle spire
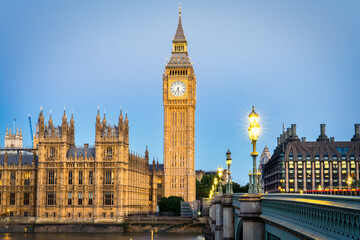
{"points": [[179, 35]]}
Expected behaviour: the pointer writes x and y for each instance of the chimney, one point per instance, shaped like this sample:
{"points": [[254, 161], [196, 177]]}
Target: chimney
{"points": [[293, 136], [356, 137], [278, 140], [322, 137], [303, 139], [332, 139], [86, 145], [289, 133]]}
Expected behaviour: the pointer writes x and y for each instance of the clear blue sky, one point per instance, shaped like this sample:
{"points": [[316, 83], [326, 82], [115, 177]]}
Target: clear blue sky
{"points": [[296, 61]]}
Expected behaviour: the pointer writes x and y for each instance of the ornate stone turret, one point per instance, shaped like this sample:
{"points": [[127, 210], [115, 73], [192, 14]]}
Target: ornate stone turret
{"points": [[72, 131], [51, 123], [41, 124], [104, 121], [147, 154], [126, 134]]}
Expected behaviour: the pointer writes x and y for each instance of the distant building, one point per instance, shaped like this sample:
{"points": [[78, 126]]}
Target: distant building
{"points": [[13, 140], [310, 165], [264, 158]]}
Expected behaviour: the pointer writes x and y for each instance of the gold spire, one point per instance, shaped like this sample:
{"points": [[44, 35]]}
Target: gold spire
{"points": [[180, 9]]}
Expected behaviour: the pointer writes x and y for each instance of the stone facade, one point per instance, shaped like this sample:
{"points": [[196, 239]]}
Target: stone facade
{"points": [[59, 182], [179, 96], [13, 140]]}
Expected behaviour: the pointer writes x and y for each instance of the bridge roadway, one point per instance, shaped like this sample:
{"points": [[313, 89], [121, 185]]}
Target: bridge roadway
{"points": [[285, 217]]}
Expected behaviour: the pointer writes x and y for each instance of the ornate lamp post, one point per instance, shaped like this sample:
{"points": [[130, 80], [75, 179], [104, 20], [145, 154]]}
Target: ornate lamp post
{"points": [[254, 131], [220, 173], [229, 187]]}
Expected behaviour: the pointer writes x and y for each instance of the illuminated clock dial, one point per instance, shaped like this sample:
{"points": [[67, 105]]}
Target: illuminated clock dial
{"points": [[178, 88]]}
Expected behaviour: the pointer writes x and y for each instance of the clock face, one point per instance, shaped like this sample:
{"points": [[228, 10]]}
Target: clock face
{"points": [[178, 88]]}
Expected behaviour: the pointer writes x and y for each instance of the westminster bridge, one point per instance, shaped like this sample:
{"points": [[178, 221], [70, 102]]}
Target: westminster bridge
{"points": [[284, 216]]}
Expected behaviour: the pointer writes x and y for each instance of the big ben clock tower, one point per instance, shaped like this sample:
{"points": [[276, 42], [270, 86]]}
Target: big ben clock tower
{"points": [[179, 96]]}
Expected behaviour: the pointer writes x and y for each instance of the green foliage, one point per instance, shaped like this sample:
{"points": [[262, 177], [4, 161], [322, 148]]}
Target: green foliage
{"points": [[170, 204], [204, 186]]}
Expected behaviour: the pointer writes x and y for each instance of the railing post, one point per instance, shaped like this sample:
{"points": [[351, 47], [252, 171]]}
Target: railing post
{"points": [[228, 217], [219, 219], [250, 211], [212, 214]]}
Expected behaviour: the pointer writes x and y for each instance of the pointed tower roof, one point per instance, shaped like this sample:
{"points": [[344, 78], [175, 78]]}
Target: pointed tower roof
{"points": [[179, 56], [179, 35]]}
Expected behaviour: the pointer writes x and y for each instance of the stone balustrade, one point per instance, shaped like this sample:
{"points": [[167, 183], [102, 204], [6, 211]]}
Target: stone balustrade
{"points": [[284, 216]]}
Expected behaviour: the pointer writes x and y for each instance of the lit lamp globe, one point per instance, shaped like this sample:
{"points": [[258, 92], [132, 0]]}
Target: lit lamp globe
{"points": [[220, 172], [254, 129]]}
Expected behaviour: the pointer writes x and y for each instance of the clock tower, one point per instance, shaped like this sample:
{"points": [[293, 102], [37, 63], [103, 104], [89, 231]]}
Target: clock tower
{"points": [[179, 96]]}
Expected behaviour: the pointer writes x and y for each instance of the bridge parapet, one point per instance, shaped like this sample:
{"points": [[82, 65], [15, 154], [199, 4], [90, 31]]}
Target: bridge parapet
{"points": [[311, 216]]}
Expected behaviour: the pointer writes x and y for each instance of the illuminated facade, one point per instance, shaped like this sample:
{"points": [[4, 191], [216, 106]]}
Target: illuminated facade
{"points": [[300, 165], [179, 97], [59, 182]]}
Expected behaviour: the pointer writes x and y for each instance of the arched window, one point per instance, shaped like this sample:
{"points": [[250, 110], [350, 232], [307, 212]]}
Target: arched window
{"points": [[52, 153], [109, 152]]}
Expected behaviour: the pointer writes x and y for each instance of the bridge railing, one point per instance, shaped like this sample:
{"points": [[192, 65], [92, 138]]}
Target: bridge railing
{"points": [[318, 216]]}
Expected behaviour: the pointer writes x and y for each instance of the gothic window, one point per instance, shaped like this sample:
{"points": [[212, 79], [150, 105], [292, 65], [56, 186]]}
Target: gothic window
{"points": [[12, 178], [109, 152], [70, 177], [0, 178], [51, 176], [80, 177], [91, 177], [90, 198], [80, 198], [70, 198], [52, 153], [27, 178], [51, 199], [26, 198], [0, 198], [109, 198], [109, 176], [12, 198]]}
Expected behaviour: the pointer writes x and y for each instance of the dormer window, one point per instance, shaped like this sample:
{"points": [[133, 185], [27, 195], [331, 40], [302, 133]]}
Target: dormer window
{"points": [[109, 152]]}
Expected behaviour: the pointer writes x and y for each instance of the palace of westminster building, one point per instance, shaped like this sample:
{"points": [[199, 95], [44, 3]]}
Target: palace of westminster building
{"points": [[56, 181]]}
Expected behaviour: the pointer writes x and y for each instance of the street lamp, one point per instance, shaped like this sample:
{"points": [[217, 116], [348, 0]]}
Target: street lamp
{"points": [[220, 173], [215, 183], [254, 131], [349, 181], [229, 188]]}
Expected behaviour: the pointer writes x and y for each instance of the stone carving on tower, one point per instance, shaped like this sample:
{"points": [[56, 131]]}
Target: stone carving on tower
{"points": [[179, 98]]}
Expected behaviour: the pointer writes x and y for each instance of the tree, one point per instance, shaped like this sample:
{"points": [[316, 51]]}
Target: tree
{"points": [[203, 187], [171, 204]]}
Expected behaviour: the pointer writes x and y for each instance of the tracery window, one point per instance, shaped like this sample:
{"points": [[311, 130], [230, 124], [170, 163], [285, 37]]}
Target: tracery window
{"points": [[51, 198], [52, 153], [26, 198], [27, 178], [51, 176], [70, 177], [109, 152], [108, 198]]}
